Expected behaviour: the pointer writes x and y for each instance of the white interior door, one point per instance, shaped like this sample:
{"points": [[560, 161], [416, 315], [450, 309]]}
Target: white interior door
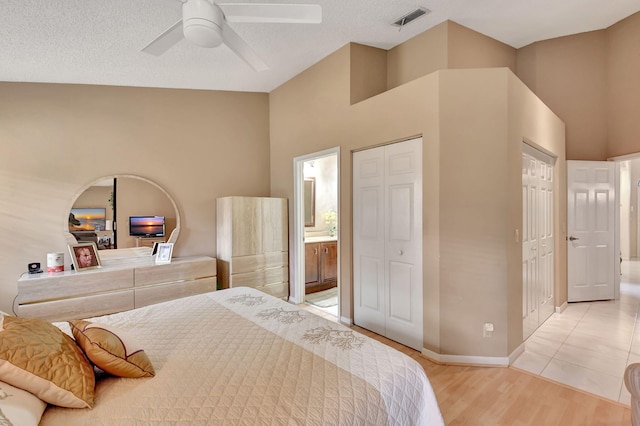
{"points": [[387, 241], [368, 240], [537, 239], [403, 236], [591, 230]]}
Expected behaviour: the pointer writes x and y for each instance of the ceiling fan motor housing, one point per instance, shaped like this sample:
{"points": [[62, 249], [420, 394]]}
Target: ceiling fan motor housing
{"points": [[202, 23]]}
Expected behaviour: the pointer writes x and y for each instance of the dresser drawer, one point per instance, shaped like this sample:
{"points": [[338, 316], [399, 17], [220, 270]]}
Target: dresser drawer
{"points": [[177, 270]]}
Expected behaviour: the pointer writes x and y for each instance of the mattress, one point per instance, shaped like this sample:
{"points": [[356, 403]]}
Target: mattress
{"points": [[239, 357]]}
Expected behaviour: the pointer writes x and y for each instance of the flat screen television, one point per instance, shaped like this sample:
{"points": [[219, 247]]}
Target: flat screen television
{"points": [[87, 219], [146, 226]]}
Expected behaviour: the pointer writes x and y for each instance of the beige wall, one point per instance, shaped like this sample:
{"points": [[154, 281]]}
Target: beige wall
{"points": [[591, 81], [448, 45], [368, 72], [469, 277], [56, 139], [569, 75], [470, 49], [419, 56], [623, 94]]}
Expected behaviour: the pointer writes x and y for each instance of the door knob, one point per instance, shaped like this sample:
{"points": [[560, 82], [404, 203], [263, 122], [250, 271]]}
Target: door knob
{"points": [[572, 238], [400, 252]]}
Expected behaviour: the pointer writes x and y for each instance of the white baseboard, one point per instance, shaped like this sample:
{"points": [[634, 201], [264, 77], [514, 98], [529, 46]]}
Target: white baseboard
{"points": [[345, 320], [494, 361], [516, 353], [560, 309]]}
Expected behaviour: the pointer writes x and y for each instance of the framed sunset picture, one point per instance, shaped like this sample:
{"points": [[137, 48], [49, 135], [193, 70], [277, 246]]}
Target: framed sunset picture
{"points": [[88, 219]]}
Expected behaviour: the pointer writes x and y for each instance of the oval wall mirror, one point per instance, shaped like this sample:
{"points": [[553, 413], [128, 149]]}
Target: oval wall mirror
{"points": [[124, 215]]}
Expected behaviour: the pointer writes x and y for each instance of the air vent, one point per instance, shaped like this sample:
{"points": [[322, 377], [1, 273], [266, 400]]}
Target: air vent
{"points": [[411, 16]]}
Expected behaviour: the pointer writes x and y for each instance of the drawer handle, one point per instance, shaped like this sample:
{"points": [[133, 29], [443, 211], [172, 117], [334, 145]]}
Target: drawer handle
{"points": [[315, 251], [326, 250]]}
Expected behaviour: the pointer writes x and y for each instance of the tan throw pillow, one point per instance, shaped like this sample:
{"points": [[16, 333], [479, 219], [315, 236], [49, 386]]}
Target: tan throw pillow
{"points": [[38, 357], [111, 350]]}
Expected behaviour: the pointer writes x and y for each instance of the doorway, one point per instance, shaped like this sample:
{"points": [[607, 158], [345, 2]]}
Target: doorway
{"points": [[315, 246]]}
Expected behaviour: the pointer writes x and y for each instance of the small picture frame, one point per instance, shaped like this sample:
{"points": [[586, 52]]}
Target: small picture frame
{"points": [[154, 250], [84, 256], [164, 252]]}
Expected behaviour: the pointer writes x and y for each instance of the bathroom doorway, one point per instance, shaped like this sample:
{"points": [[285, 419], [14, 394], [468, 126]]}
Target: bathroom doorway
{"points": [[315, 269]]}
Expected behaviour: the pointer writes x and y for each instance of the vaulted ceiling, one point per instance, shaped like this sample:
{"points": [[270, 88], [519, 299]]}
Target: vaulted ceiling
{"points": [[100, 41]]}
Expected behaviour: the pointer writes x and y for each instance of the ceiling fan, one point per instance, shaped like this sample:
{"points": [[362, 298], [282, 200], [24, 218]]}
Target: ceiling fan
{"points": [[205, 23]]}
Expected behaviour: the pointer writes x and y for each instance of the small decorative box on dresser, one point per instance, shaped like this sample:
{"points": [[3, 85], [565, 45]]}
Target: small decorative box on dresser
{"points": [[118, 287], [253, 244]]}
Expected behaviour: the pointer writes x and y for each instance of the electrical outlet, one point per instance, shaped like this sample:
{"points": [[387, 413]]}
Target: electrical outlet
{"points": [[487, 330]]}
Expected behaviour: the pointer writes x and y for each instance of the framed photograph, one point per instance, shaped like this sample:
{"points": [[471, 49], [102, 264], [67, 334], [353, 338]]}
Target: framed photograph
{"points": [[163, 254], [84, 256], [154, 250]]}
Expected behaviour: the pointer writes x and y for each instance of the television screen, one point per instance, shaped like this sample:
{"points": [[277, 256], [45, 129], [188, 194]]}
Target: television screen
{"points": [[146, 226], [87, 219]]}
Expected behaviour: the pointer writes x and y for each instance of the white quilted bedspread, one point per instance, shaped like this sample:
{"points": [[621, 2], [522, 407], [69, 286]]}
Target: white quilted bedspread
{"points": [[241, 357]]}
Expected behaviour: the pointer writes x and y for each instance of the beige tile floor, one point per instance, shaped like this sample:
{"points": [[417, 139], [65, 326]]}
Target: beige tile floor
{"points": [[589, 345], [331, 312]]}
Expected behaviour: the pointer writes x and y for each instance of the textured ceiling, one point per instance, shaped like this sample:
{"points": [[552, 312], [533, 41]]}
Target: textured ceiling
{"points": [[99, 41]]}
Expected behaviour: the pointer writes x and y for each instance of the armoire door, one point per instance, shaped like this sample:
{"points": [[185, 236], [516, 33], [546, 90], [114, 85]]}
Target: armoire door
{"points": [[387, 228]]}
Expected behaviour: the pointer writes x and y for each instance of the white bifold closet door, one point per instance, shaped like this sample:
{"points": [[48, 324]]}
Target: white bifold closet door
{"points": [[538, 254], [387, 241]]}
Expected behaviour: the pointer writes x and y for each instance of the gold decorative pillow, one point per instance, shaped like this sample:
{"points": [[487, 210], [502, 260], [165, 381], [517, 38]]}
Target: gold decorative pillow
{"points": [[111, 350], [38, 357]]}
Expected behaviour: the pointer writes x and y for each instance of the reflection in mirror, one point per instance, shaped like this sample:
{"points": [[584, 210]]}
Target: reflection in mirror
{"points": [[102, 212], [310, 201]]}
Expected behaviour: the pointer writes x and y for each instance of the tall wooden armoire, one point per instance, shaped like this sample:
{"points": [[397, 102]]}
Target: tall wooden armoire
{"points": [[253, 244]]}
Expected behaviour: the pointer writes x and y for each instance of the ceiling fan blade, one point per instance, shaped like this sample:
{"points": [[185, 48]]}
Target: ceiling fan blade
{"points": [[272, 13], [166, 40], [242, 49]]}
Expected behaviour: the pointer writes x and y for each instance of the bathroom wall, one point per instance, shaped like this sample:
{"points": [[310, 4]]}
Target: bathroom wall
{"points": [[325, 172]]}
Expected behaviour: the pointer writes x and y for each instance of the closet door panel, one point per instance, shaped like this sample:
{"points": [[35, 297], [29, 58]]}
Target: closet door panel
{"points": [[368, 230], [401, 212], [371, 269], [403, 242], [400, 291]]}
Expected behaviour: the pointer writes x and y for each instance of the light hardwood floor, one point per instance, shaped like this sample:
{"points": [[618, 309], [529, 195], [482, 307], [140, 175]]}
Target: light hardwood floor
{"points": [[507, 396]]}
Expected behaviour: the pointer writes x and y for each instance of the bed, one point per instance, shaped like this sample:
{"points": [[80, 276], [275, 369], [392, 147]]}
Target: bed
{"points": [[240, 356]]}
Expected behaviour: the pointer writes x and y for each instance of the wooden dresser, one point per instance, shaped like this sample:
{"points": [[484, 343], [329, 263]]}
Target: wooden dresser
{"points": [[253, 244], [116, 287]]}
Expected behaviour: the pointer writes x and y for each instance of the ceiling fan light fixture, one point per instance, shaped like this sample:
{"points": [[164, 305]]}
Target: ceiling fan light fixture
{"points": [[202, 23], [203, 33]]}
